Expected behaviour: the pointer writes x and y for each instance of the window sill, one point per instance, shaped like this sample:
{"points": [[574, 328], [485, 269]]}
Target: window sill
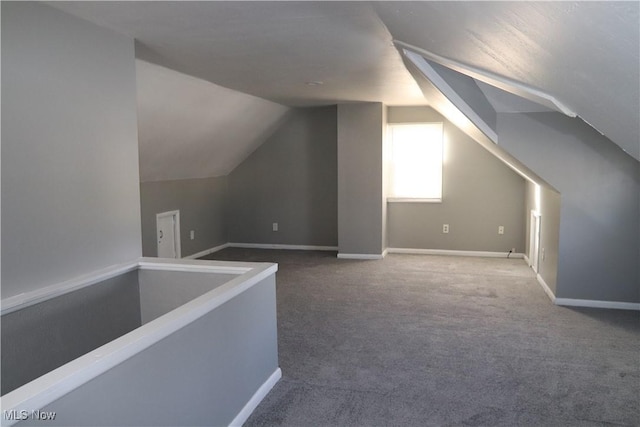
{"points": [[411, 200]]}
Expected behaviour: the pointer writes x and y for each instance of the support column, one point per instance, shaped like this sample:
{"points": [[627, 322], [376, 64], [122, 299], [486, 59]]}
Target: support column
{"points": [[361, 204]]}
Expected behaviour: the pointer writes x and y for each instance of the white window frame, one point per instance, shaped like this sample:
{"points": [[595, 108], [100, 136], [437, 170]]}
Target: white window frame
{"points": [[393, 165]]}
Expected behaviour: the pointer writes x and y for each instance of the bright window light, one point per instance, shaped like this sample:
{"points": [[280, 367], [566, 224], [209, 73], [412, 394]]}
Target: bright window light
{"points": [[416, 162]]}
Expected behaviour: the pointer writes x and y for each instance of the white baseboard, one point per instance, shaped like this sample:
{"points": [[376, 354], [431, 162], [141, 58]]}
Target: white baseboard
{"points": [[569, 302], [255, 400], [547, 289], [361, 256], [526, 259], [207, 251], [282, 246], [261, 246], [413, 251]]}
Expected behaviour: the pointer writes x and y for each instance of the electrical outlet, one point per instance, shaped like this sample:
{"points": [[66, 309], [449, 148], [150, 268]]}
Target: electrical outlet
{"points": [[501, 229], [445, 228], [274, 226], [513, 250], [192, 234]]}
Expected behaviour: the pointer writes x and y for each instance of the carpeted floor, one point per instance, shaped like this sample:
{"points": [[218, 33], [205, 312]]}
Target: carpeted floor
{"points": [[417, 340]]}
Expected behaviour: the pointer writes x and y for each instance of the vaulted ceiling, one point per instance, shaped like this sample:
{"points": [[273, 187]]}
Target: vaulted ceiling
{"points": [[585, 54], [267, 49], [190, 128]]}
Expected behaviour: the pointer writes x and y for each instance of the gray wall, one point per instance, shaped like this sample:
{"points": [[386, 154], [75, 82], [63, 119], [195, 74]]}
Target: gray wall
{"points": [[386, 172], [360, 178], [70, 193], [162, 291], [549, 232], [467, 88], [479, 194], [201, 375], [600, 211], [291, 179], [202, 204], [45, 336]]}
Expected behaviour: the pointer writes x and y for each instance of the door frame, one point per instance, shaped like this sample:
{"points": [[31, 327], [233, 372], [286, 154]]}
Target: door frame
{"points": [[176, 230], [534, 240]]}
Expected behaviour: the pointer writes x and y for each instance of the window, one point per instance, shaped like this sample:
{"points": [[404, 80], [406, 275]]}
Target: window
{"points": [[416, 162]]}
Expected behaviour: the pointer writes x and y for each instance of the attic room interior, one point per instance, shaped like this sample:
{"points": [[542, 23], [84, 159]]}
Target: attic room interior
{"points": [[209, 216]]}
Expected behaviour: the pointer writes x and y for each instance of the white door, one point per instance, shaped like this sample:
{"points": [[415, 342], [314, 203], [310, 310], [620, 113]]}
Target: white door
{"points": [[534, 241], [168, 234]]}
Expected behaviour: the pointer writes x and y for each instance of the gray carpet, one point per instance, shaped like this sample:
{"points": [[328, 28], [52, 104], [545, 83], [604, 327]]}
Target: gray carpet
{"points": [[444, 341]]}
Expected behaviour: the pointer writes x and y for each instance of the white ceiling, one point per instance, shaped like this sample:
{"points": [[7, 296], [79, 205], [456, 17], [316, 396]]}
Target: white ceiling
{"points": [[267, 49], [585, 54]]}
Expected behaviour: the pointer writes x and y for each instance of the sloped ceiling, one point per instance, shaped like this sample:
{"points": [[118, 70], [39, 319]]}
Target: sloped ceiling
{"points": [[267, 49], [191, 128], [585, 54]]}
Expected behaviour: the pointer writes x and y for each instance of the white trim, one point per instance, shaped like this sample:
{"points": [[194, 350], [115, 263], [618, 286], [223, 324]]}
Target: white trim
{"points": [[412, 200], [282, 246], [570, 302], [535, 228], [194, 269], [436, 79], [361, 256], [27, 299], [512, 86], [415, 251], [526, 258], [207, 251], [46, 389], [257, 397], [200, 265], [547, 289]]}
